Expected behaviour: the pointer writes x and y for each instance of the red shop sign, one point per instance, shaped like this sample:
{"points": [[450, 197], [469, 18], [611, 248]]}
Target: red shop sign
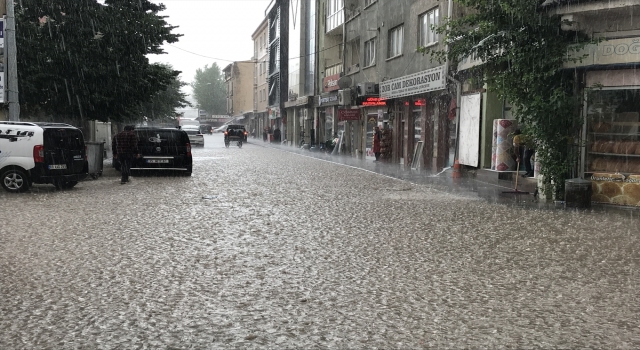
{"points": [[348, 114], [374, 101], [330, 83]]}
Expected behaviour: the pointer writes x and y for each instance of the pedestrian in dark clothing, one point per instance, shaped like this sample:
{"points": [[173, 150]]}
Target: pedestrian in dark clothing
{"points": [[377, 137], [276, 135], [125, 149]]}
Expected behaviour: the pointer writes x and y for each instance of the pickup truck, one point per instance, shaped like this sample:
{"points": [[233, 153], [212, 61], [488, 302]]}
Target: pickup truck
{"points": [[235, 133]]}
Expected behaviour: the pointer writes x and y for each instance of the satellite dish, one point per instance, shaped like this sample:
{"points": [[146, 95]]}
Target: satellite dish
{"points": [[344, 82]]}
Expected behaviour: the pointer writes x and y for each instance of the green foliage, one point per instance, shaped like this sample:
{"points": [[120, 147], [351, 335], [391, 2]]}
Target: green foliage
{"points": [[163, 104], [523, 48], [82, 59], [209, 90]]}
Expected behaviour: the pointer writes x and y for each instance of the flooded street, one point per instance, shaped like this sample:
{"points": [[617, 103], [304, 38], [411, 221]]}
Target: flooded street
{"points": [[264, 248]]}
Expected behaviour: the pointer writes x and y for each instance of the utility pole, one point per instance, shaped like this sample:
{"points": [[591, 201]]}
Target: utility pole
{"points": [[12, 64]]}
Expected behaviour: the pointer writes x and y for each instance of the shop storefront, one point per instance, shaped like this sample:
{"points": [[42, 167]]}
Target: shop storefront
{"points": [[610, 158], [299, 121], [374, 111], [612, 132], [326, 107], [418, 119]]}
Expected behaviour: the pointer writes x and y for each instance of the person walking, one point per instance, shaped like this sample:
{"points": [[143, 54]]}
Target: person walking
{"points": [[377, 136], [125, 149]]}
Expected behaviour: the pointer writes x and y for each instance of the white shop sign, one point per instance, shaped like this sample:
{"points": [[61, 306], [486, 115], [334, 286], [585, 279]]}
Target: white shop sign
{"points": [[414, 84], [614, 51]]}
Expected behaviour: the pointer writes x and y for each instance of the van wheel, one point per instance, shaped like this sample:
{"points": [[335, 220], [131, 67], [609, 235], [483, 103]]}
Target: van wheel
{"points": [[14, 180]]}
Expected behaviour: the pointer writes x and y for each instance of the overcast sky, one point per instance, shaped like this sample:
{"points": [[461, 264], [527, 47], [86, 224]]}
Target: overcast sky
{"points": [[213, 31]]}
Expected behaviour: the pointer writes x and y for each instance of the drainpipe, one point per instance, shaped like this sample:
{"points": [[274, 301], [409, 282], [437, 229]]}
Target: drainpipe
{"points": [[458, 86], [458, 98]]}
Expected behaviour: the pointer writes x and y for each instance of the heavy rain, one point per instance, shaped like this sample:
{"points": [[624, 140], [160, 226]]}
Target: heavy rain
{"points": [[330, 256], [331, 174]]}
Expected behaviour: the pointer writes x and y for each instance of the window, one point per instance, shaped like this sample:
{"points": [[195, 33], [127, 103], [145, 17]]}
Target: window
{"points": [[426, 21], [395, 41], [335, 14], [370, 52], [353, 56]]}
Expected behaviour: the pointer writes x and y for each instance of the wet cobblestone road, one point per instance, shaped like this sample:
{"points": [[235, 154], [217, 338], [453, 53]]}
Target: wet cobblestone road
{"points": [[263, 248]]}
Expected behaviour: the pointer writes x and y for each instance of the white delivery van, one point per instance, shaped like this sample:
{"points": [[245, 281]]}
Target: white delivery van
{"points": [[46, 153]]}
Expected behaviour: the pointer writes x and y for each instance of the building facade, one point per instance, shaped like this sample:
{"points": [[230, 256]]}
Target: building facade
{"points": [[278, 64], [239, 81], [260, 119], [393, 85]]}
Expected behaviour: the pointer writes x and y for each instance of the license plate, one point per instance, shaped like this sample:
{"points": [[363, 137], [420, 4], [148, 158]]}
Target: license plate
{"points": [[157, 160], [57, 166]]}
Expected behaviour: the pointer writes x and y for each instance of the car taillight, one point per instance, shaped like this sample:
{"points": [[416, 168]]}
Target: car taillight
{"points": [[188, 149], [226, 132], [246, 133], [38, 153]]}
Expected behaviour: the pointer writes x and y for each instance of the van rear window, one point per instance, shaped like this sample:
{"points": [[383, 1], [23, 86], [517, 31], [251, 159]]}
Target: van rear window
{"points": [[63, 138]]}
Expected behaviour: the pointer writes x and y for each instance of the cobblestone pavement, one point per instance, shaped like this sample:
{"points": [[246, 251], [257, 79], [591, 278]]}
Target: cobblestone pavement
{"points": [[262, 248]]}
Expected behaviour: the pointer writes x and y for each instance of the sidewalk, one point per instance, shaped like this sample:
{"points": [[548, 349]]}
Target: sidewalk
{"points": [[473, 184]]}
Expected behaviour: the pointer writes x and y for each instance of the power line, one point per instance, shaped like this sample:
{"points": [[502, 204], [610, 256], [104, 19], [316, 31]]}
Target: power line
{"points": [[250, 61]]}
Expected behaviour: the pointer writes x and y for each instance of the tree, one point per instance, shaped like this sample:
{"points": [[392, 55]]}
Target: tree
{"points": [[82, 59], [523, 49], [163, 103], [209, 90]]}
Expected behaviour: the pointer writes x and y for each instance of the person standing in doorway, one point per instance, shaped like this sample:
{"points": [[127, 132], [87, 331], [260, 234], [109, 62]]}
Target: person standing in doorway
{"points": [[377, 136], [125, 149]]}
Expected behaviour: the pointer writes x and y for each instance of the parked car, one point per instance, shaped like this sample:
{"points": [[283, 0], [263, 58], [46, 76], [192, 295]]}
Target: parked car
{"points": [[196, 138], [42, 153], [162, 149]]}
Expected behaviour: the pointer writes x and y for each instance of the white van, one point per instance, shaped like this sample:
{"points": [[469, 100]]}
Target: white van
{"points": [[47, 153]]}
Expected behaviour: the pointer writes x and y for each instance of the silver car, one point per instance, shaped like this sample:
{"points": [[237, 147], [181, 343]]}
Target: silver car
{"points": [[195, 137]]}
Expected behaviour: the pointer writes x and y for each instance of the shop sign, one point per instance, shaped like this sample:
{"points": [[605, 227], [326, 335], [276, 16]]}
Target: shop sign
{"points": [[274, 113], [328, 100], [413, 84], [348, 114], [373, 101], [615, 51], [330, 83]]}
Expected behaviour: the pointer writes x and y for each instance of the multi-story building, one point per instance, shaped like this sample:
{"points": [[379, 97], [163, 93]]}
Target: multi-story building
{"points": [[329, 36], [278, 63], [301, 72], [238, 77], [261, 87], [392, 84]]}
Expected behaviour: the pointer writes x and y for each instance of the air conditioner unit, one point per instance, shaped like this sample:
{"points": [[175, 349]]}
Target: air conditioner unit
{"points": [[344, 97], [366, 89]]}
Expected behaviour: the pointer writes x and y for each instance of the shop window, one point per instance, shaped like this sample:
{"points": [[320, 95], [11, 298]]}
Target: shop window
{"points": [[613, 131], [396, 38], [427, 32]]}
